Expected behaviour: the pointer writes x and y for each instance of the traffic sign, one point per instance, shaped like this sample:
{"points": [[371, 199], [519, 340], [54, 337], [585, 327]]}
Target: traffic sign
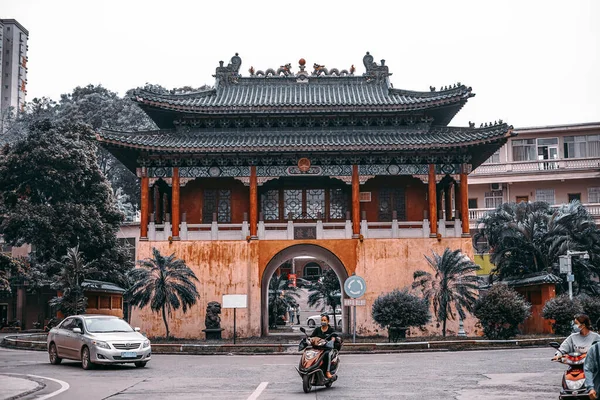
{"points": [[355, 286], [355, 302], [570, 278]]}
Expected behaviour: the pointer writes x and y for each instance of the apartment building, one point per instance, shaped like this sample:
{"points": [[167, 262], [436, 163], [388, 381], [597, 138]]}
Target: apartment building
{"points": [[13, 58], [556, 164]]}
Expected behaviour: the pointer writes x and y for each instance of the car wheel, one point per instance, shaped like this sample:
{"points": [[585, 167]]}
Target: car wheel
{"points": [[140, 364], [311, 323], [86, 363], [53, 355]]}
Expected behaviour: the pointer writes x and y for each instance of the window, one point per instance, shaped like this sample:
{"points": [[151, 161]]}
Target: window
{"points": [[574, 197], [582, 146], [494, 159], [473, 203], [390, 200], [524, 150], [269, 204], [493, 199], [292, 203], [594, 195], [338, 204], [216, 202], [546, 195]]}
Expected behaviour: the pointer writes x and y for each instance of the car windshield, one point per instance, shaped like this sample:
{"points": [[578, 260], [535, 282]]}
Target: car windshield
{"points": [[97, 325]]}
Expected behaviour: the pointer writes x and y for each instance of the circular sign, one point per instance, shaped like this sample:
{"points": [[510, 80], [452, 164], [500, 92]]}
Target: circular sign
{"points": [[355, 286], [304, 164]]}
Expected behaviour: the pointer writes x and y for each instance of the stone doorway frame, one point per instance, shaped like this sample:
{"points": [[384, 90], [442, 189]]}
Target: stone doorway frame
{"points": [[298, 250]]}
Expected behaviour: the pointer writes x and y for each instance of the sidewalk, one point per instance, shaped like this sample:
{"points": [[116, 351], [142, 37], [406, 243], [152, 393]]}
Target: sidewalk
{"points": [[12, 386]]}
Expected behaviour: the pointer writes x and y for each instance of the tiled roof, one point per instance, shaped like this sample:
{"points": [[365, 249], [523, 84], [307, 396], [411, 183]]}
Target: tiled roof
{"points": [[532, 279], [101, 286], [279, 95], [373, 138]]}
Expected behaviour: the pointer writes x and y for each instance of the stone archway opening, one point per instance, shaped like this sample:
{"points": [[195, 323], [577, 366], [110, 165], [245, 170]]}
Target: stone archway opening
{"points": [[315, 255]]}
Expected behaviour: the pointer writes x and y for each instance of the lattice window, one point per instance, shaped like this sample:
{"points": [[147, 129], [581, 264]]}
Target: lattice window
{"points": [[292, 203], [269, 204], [219, 202], [546, 195], [390, 200], [338, 204], [315, 203]]}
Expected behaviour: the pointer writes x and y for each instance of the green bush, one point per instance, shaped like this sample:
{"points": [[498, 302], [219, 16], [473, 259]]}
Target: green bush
{"points": [[500, 310], [591, 307], [400, 309], [562, 310]]}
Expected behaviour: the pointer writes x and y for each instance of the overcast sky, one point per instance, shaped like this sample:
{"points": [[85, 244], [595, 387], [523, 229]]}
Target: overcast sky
{"points": [[530, 63]]}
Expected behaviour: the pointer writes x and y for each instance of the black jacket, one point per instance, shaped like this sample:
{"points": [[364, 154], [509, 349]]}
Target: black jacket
{"points": [[318, 332]]}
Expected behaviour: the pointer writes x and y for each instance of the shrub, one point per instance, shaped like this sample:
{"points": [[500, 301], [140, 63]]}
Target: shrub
{"points": [[591, 307], [562, 310], [400, 309], [500, 311]]}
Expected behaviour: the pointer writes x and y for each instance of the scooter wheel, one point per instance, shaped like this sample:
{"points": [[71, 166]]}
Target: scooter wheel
{"points": [[328, 384], [306, 383]]}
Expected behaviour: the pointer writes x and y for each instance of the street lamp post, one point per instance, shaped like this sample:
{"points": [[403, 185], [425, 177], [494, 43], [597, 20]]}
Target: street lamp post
{"points": [[566, 268]]}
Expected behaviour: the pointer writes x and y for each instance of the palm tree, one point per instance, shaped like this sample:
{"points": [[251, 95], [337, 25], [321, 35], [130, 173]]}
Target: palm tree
{"points": [[453, 284], [73, 271], [281, 297], [164, 282], [326, 292]]}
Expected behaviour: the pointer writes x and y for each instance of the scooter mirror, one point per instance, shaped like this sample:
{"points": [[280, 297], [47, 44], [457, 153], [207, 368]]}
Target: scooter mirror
{"points": [[302, 329], [554, 344]]}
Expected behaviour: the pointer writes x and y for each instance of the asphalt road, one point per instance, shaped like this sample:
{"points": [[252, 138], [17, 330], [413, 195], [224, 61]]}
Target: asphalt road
{"points": [[469, 375]]}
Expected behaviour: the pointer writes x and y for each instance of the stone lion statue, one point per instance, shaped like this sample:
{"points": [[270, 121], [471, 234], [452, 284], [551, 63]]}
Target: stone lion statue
{"points": [[213, 320]]}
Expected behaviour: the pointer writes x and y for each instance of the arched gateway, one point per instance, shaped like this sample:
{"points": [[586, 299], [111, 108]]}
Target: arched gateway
{"points": [[299, 250]]}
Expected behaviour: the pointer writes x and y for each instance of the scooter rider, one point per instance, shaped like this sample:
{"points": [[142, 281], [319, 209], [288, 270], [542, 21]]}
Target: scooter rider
{"points": [[322, 332], [580, 341]]}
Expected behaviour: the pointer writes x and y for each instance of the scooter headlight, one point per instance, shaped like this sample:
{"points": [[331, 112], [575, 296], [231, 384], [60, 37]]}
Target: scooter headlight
{"points": [[575, 385], [310, 354]]}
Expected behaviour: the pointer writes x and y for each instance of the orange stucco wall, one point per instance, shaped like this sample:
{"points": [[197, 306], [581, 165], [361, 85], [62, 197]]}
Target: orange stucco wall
{"points": [[236, 267]]}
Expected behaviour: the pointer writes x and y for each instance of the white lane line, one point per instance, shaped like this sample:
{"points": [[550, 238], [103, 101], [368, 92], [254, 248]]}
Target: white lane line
{"points": [[64, 386], [258, 391]]}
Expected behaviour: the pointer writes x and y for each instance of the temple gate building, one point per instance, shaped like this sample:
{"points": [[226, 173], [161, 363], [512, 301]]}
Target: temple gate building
{"points": [[277, 164]]}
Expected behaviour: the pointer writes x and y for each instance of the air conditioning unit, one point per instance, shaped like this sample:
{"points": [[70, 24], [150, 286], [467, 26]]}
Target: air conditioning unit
{"points": [[496, 187]]}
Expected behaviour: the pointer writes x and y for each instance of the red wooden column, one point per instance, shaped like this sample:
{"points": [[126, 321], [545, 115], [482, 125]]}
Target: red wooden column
{"points": [[464, 202], [253, 203], [432, 202], [355, 202], [144, 204], [175, 212]]}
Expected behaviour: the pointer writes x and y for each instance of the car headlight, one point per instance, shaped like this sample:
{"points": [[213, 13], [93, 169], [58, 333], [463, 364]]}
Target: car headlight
{"points": [[101, 344], [146, 343]]}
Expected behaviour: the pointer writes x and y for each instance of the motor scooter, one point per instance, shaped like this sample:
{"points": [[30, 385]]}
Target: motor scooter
{"points": [[313, 365], [573, 381]]}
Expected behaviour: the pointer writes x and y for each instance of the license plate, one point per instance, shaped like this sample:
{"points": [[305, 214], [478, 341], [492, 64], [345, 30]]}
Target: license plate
{"points": [[128, 354]]}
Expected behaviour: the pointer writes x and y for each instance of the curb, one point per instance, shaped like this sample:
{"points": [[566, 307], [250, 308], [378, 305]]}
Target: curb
{"points": [[17, 342], [40, 385]]}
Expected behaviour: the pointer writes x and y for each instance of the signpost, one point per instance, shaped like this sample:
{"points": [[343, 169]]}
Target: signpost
{"points": [[235, 301], [355, 287], [566, 267]]}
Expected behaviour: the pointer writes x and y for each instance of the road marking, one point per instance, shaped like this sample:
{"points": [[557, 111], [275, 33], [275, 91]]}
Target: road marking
{"points": [[258, 391], [64, 386]]}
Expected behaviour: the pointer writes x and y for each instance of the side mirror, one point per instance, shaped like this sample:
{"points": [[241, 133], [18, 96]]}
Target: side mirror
{"points": [[554, 344], [302, 329], [77, 330], [136, 329]]}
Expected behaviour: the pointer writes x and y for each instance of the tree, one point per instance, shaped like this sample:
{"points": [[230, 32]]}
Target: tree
{"points": [[400, 309], [453, 284], [562, 310], [165, 283], [281, 297], [326, 292], [591, 307], [500, 310], [69, 281], [54, 197], [11, 269], [526, 238]]}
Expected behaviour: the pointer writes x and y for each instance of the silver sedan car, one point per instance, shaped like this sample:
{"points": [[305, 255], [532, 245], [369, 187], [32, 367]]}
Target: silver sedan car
{"points": [[98, 339]]}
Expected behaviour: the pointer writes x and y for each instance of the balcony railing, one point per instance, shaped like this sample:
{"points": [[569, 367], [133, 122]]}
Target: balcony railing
{"points": [[304, 230], [538, 165], [476, 213]]}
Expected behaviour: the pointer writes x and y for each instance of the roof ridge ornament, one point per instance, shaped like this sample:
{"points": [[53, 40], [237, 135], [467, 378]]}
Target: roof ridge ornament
{"points": [[230, 73], [375, 73]]}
